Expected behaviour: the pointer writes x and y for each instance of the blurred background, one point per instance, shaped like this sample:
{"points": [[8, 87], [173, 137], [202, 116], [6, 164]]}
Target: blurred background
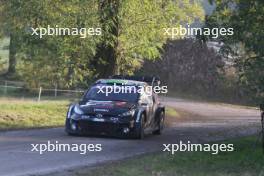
{"points": [[226, 69]]}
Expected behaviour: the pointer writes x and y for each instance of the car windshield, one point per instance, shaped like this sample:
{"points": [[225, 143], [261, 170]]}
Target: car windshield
{"points": [[103, 93]]}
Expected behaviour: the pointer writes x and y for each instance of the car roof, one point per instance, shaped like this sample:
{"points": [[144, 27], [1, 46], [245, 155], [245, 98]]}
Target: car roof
{"points": [[124, 82]]}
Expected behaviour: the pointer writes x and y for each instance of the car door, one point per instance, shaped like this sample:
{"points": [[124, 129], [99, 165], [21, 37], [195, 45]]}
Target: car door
{"points": [[150, 108], [144, 103]]}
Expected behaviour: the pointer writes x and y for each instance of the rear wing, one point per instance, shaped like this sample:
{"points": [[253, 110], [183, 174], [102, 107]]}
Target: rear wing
{"points": [[151, 80]]}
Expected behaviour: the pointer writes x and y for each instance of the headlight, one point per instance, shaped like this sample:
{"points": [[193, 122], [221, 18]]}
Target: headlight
{"points": [[78, 110], [128, 113]]}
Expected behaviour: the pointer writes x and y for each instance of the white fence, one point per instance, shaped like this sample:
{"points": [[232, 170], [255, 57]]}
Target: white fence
{"points": [[13, 89]]}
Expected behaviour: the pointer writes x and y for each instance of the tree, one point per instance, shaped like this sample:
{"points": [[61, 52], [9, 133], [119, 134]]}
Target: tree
{"points": [[246, 45], [188, 66], [65, 57], [133, 30], [10, 27]]}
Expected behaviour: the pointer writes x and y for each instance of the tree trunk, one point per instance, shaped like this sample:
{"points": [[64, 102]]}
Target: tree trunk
{"points": [[107, 52], [12, 56]]}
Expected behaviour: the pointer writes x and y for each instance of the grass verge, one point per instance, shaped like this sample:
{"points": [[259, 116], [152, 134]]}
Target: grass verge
{"points": [[31, 114], [245, 160], [21, 114]]}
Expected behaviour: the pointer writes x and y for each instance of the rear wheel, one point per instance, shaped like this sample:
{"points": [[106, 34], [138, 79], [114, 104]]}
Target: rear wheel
{"points": [[160, 124]]}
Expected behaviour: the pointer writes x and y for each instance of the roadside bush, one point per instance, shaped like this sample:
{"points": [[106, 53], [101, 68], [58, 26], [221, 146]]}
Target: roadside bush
{"points": [[191, 69], [188, 65]]}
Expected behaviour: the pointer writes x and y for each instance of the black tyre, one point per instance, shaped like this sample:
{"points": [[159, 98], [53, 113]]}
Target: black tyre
{"points": [[160, 124]]}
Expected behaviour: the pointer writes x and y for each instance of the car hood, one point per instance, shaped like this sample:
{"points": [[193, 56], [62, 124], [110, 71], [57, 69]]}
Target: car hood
{"points": [[93, 107]]}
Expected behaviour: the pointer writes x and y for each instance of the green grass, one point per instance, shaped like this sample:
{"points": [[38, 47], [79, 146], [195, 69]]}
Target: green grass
{"points": [[244, 161], [16, 114]]}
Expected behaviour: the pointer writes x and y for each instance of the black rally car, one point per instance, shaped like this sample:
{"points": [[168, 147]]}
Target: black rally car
{"points": [[123, 114]]}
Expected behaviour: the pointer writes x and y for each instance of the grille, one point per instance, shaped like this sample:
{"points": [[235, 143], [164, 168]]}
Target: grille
{"points": [[99, 127]]}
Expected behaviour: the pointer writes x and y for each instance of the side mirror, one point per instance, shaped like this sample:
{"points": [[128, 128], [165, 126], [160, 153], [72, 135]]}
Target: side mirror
{"points": [[261, 106]]}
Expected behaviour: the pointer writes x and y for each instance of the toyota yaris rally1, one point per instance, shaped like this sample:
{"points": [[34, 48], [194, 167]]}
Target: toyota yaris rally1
{"points": [[109, 108]]}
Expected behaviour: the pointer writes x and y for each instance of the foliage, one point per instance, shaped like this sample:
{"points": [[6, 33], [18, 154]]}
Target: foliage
{"points": [[246, 45], [134, 31], [66, 58], [188, 65]]}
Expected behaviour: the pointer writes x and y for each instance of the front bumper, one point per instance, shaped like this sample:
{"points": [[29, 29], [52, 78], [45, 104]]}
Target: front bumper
{"points": [[109, 127]]}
